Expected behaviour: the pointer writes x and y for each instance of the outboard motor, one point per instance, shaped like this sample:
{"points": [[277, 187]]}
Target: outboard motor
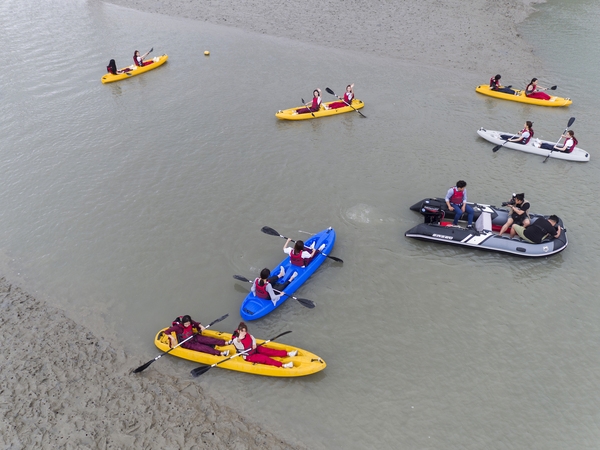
{"points": [[432, 210]]}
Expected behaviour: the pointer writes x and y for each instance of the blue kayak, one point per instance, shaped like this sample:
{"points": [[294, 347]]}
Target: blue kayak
{"points": [[254, 307]]}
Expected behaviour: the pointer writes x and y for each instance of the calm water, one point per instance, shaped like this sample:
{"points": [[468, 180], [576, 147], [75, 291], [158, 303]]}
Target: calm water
{"points": [[128, 204]]}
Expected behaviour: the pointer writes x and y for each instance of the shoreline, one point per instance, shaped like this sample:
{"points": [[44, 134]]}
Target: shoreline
{"points": [[63, 387]]}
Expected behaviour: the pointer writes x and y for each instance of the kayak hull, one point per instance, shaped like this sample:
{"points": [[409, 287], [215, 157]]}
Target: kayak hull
{"points": [[493, 136], [254, 307], [288, 114], [305, 363], [522, 98], [484, 235], [157, 61]]}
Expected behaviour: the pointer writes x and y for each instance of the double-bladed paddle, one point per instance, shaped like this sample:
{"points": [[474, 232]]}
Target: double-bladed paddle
{"points": [[333, 93], [272, 232], [200, 370], [145, 366], [571, 120], [308, 107], [498, 147], [303, 301]]}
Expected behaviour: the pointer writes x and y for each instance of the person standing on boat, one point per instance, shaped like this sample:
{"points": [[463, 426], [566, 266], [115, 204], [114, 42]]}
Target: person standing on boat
{"points": [[518, 213], [185, 327], [298, 256], [456, 200], [496, 86], [537, 231], [568, 145], [264, 285], [522, 136], [139, 60], [534, 91], [244, 341], [348, 97], [313, 106]]}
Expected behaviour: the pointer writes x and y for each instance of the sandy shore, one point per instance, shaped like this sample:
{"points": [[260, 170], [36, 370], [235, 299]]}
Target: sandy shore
{"points": [[477, 35], [63, 387]]}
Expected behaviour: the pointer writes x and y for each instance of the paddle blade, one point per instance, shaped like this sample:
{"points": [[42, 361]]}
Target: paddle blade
{"points": [[269, 230], [218, 320], [150, 51], [241, 278], [144, 367], [496, 148], [199, 371], [306, 302], [330, 91], [571, 120], [553, 88], [335, 258], [302, 101]]}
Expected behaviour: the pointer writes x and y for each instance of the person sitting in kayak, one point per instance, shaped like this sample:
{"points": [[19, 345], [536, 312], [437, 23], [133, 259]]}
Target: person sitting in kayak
{"points": [[139, 60], [263, 287], [496, 86], [523, 136], [347, 101], [185, 327], [534, 91], [518, 213], [245, 342], [539, 230], [456, 200], [313, 106], [568, 145], [112, 68], [299, 257]]}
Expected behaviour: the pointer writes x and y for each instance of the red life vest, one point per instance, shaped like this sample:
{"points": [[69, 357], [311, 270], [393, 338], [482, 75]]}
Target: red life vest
{"points": [[296, 258], [457, 197], [316, 105], [186, 333], [575, 142], [261, 291], [109, 69], [135, 61], [494, 84], [526, 140], [348, 96], [246, 343]]}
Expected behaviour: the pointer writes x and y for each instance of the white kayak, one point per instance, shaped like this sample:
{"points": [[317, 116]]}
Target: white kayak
{"points": [[579, 154]]}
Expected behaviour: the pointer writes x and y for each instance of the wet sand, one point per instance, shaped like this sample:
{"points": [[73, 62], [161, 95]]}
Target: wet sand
{"points": [[63, 387]]}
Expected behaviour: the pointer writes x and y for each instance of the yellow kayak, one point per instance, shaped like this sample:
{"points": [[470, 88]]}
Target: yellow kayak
{"points": [[305, 363], [288, 114], [135, 70], [521, 97]]}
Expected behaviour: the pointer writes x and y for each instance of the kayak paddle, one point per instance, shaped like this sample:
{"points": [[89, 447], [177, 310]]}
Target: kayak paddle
{"points": [[333, 93], [272, 232], [303, 301], [498, 147], [309, 107], [571, 120], [201, 370], [145, 366]]}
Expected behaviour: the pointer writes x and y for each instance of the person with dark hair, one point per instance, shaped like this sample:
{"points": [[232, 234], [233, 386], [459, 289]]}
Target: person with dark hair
{"points": [[312, 106], [139, 60], [348, 97], [534, 91], [263, 287], [456, 200], [518, 213], [539, 230], [570, 141], [185, 327], [496, 86], [245, 342], [523, 136], [298, 256]]}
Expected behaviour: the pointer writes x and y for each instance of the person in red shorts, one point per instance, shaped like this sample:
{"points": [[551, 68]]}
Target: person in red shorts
{"points": [[348, 97], [245, 342]]}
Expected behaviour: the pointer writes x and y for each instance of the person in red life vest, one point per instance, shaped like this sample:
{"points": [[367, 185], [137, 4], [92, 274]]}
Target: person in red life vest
{"points": [[112, 68], [523, 136], [568, 145], [263, 287], [518, 215], [496, 86], [347, 101], [298, 256], [245, 342], [185, 327], [456, 200], [313, 106], [534, 91], [139, 60]]}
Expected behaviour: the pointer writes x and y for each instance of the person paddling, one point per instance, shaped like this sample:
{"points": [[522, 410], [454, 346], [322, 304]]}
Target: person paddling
{"points": [[313, 106], [298, 256], [568, 145], [523, 136], [263, 287], [185, 327], [347, 101], [244, 341], [534, 91], [496, 86], [139, 60]]}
